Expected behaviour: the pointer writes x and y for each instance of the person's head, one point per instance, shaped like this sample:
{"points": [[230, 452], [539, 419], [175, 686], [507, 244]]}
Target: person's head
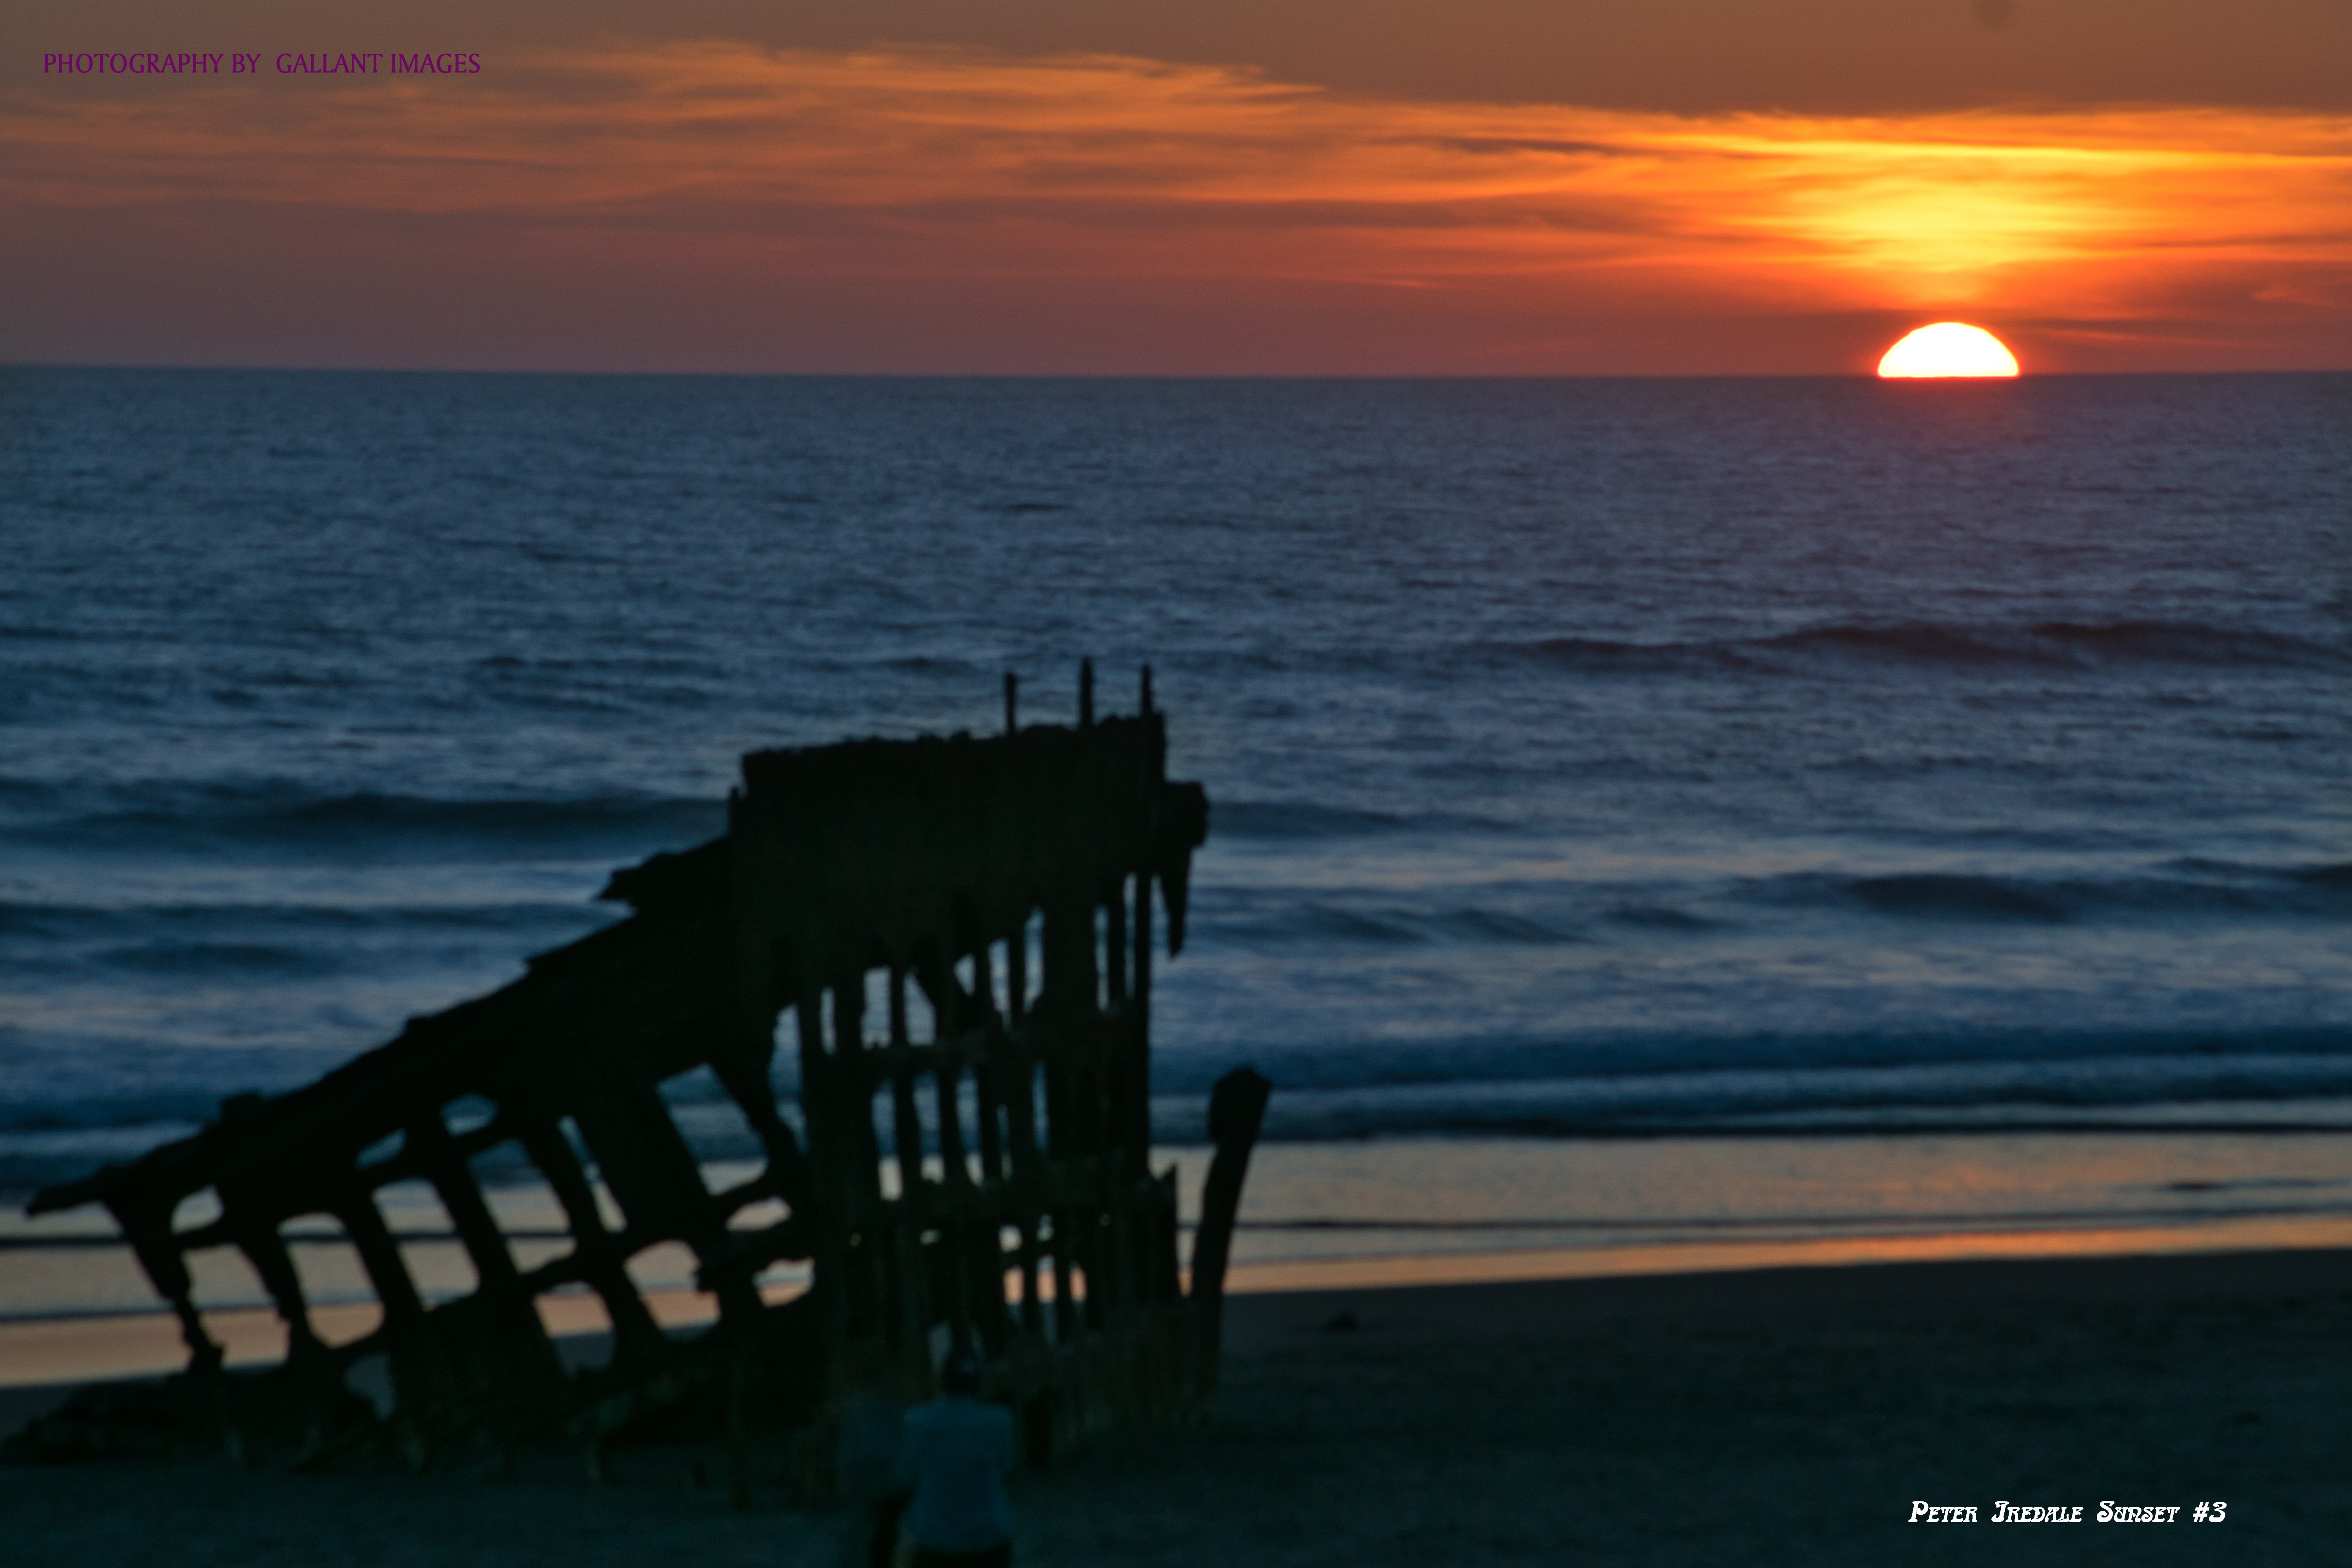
{"points": [[961, 1374]]}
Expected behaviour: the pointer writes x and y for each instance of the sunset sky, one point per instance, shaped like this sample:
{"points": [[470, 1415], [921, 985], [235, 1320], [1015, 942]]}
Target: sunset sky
{"points": [[1278, 188]]}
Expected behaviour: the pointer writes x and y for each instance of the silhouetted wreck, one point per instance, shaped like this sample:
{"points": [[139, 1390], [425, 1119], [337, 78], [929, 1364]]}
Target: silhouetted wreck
{"points": [[1009, 880]]}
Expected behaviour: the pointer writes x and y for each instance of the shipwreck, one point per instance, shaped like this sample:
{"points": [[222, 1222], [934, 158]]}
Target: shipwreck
{"points": [[985, 1188]]}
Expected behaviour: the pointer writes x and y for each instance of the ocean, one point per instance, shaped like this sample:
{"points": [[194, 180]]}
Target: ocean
{"points": [[1858, 780]]}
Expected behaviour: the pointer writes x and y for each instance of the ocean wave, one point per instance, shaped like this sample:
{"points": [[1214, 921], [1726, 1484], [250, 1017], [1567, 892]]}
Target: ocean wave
{"points": [[1696, 907], [1309, 820], [1319, 923], [81, 922], [1439, 1065], [2255, 1090], [177, 819], [2195, 888], [1965, 898], [224, 960], [2044, 645], [110, 1111], [1891, 1086]]}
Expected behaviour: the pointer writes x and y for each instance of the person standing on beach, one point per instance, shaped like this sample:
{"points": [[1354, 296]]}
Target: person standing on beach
{"points": [[960, 1450]]}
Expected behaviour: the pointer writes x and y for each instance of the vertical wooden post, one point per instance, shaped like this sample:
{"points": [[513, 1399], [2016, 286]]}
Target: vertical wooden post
{"points": [[853, 1084], [1019, 1078], [949, 1077], [1113, 908], [1016, 969], [906, 1122], [829, 1262], [1139, 1011], [902, 1217], [986, 1096], [859, 1157], [1236, 1109]]}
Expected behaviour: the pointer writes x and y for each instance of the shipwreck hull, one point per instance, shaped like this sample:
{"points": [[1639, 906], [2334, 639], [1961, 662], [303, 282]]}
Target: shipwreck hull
{"points": [[954, 939]]}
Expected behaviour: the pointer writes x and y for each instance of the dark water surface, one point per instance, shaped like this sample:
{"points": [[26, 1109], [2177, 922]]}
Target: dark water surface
{"points": [[1584, 755]]}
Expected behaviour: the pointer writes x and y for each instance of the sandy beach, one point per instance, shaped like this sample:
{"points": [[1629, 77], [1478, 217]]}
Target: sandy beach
{"points": [[1781, 1416]]}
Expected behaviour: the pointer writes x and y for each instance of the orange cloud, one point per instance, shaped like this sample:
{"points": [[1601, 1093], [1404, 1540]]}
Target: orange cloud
{"points": [[923, 169]]}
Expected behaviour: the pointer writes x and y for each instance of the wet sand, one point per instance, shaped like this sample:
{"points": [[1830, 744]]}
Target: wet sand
{"points": [[1785, 1416]]}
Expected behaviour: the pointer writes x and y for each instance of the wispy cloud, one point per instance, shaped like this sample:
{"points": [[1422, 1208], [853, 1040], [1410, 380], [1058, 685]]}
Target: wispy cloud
{"points": [[911, 166]]}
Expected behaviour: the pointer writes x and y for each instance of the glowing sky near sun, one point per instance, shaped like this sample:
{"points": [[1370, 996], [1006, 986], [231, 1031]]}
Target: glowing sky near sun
{"points": [[727, 205]]}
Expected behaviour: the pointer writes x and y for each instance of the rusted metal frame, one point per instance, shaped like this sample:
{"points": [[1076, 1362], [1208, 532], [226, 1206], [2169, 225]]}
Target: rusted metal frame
{"points": [[380, 1256], [1107, 1299], [252, 1226], [401, 1167], [746, 1252], [1139, 1000], [217, 1233], [742, 1070], [949, 1003], [1113, 903], [601, 1258], [1061, 1220], [421, 1372], [1067, 1322], [1167, 1281], [1113, 1236], [990, 1042], [727, 1202], [1071, 1130], [648, 1167], [828, 1235], [906, 1215], [1091, 1079], [1126, 1276], [889, 1265], [1127, 1117], [1106, 1080], [986, 1098], [987, 1070], [501, 1299], [404, 1166], [165, 1260], [1017, 1077], [848, 1105], [949, 1032], [859, 1151], [900, 1066], [977, 1208], [1016, 969]]}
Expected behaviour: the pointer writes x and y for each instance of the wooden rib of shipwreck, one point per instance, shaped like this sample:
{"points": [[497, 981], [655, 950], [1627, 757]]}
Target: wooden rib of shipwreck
{"points": [[1035, 1235]]}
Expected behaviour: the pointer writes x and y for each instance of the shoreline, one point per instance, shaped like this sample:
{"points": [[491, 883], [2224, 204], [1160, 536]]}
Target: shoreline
{"points": [[59, 1354]]}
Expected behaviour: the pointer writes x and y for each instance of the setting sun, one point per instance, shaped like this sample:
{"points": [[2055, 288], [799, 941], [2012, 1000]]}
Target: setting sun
{"points": [[1949, 348]]}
